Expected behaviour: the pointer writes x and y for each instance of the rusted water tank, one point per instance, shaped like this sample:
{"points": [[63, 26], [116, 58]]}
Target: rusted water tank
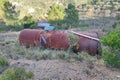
{"points": [[88, 45], [52, 39], [30, 37]]}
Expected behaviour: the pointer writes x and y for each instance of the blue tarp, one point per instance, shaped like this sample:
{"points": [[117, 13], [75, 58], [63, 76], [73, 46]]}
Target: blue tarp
{"points": [[45, 25], [48, 28]]}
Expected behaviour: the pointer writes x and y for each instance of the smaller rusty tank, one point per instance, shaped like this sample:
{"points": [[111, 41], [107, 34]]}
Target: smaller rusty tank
{"points": [[88, 44]]}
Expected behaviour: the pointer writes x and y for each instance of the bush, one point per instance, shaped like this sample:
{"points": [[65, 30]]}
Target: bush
{"points": [[112, 39], [84, 25], [16, 74], [112, 59], [3, 61], [111, 55], [3, 27], [28, 22], [73, 40]]}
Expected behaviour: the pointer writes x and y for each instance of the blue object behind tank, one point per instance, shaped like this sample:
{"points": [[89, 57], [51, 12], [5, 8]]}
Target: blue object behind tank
{"points": [[48, 28]]}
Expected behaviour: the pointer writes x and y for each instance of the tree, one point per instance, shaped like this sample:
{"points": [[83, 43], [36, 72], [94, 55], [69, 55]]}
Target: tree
{"points": [[2, 2], [10, 14], [72, 16], [56, 15], [56, 12], [28, 22]]}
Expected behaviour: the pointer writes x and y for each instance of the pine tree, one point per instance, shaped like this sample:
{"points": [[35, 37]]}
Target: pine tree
{"points": [[72, 18]]}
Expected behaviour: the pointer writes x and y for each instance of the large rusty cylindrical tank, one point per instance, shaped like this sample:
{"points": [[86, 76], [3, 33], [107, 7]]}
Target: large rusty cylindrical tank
{"points": [[88, 45], [56, 40], [30, 37], [50, 39]]}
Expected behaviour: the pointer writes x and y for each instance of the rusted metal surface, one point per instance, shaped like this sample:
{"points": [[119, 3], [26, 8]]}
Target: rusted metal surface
{"points": [[56, 40], [88, 45], [29, 37], [53, 39]]}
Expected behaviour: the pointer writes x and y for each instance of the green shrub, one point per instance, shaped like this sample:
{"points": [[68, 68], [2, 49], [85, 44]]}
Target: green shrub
{"points": [[112, 59], [112, 39], [18, 73], [18, 28], [73, 40], [3, 27], [84, 25], [28, 22], [111, 55], [3, 61]]}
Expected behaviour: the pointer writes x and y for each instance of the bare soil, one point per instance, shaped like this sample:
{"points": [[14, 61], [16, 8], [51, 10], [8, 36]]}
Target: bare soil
{"points": [[64, 70]]}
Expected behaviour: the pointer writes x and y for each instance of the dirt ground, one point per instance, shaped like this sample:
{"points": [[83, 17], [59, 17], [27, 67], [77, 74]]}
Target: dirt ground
{"points": [[61, 69], [64, 70]]}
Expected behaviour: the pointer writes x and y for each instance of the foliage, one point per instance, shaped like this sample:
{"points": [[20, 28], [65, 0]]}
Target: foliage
{"points": [[84, 25], [56, 12], [28, 22], [2, 2], [16, 74], [56, 15], [112, 54], [3, 27], [112, 39], [71, 17], [112, 59], [3, 61], [73, 40], [11, 17], [10, 14], [64, 21]]}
